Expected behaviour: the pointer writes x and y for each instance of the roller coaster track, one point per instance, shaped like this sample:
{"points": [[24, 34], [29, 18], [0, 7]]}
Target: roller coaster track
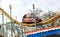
{"points": [[50, 20]]}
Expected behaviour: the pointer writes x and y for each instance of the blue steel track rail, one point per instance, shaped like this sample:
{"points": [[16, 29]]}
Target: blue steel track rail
{"points": [[51, 32]]}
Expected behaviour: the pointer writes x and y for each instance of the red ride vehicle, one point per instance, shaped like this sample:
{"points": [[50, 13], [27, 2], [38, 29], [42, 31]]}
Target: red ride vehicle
{"points": [[29, 18]]}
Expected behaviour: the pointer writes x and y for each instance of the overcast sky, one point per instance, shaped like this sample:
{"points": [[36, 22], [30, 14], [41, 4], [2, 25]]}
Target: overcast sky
{"points": [[21, 7]]}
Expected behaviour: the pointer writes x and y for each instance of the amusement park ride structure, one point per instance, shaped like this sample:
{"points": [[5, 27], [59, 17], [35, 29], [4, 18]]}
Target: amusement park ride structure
{"points": [[53, 18], [50, 20]]}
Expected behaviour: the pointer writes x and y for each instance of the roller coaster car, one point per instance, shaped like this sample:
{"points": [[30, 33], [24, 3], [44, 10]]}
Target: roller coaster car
{"points": [[30, 19]]}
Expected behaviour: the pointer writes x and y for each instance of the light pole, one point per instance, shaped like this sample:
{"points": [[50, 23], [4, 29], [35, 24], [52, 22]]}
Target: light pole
{"points": [[11, 20], [34, 16]]}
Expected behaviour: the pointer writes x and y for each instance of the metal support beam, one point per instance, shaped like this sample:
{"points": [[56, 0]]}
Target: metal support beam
{"points": [[2, 24], [22, 31], [17, 28], [18, 31], [6, 27]]}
